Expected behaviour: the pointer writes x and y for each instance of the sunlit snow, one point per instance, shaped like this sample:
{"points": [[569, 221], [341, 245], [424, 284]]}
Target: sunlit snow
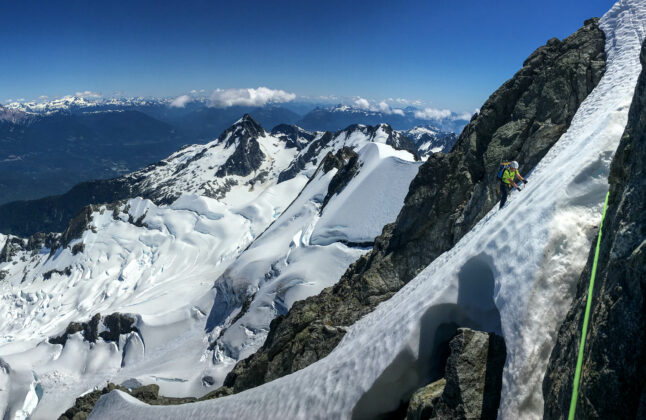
{"points": [[527, 256]]}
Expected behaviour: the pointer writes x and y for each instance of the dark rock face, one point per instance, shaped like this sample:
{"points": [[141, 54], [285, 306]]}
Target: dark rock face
{"points": [[394, 139], [11, 246], [67, 271], [293, 136], [247, 156], [308, 157], [613, 383], [471, 389], [348, 166], [450, 194], [423, 402], [246, 159], [88, 329], [115, 325], [79, 224], [34, 244]]}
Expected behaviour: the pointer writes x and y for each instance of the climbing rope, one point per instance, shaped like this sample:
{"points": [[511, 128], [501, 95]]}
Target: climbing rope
{"points": [[579, 361]]}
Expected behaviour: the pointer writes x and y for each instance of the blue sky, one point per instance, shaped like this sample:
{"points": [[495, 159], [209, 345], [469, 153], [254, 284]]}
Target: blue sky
{"points": [[449, 54]]}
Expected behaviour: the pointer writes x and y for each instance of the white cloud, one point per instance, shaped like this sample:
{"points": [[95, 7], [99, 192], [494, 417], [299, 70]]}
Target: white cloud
{"points": [[180, 101], [404, 101], [464, 116], [330, 98], [362, 103], [432, 114], [87, 94], [224, 98], [438, 114], [382, 107]]}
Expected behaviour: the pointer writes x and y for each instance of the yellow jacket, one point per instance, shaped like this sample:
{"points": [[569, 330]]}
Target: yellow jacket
{"points": [[508, 175]]}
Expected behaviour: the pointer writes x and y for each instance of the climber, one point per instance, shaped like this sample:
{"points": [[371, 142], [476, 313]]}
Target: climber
{"points": [[507, 173]]}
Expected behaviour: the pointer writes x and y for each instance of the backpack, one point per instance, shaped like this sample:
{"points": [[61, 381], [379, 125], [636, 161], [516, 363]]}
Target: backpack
{"points": [[501, 169]]}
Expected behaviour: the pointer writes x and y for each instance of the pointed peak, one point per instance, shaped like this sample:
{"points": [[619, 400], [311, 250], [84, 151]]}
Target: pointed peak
{"points": [[248, 122], [246, 117], [245, 127]]}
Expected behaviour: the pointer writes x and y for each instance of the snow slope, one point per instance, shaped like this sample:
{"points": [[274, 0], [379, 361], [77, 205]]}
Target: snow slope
{"points": [[163, 265], [161, 272], [527, 257], [306, 249]]}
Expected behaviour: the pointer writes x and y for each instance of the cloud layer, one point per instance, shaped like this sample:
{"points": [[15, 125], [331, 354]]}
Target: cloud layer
{"points": [[224, 98], [87, 94], [180, 101], [382, 107], [432, 114]]}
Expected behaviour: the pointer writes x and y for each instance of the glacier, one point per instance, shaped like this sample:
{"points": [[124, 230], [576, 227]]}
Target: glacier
{"points": [[527, 255], [183, 270]]}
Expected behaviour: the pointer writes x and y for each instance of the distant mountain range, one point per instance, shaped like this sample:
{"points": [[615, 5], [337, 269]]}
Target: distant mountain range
{"points": [[48, 147], [238, 155], [340, 116]]}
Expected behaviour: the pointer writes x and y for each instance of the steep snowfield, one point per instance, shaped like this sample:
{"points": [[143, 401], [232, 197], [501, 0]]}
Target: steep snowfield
{"points": [[305, 250], [527, 257], [373, 199], [159, 265], [161, 272]]}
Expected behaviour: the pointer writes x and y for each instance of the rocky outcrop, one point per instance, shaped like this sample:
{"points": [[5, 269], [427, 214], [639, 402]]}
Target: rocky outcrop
{"points": [[346, 161], [394, 138], [247, 156], [79, 224], [67, 271], [310, 156], [148, 394], [450, 194], [397, 140], [472, 383], [613, 376], [10, 247], [34, 243], [423, 402], [293, 136], [114, 325]]}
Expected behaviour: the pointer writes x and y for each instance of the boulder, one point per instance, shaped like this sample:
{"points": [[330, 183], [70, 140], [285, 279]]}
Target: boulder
{"points": [[472, 384]]}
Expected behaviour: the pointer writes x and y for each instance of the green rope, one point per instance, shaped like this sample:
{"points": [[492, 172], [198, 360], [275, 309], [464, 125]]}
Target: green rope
{"points": [[579, 361]]}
